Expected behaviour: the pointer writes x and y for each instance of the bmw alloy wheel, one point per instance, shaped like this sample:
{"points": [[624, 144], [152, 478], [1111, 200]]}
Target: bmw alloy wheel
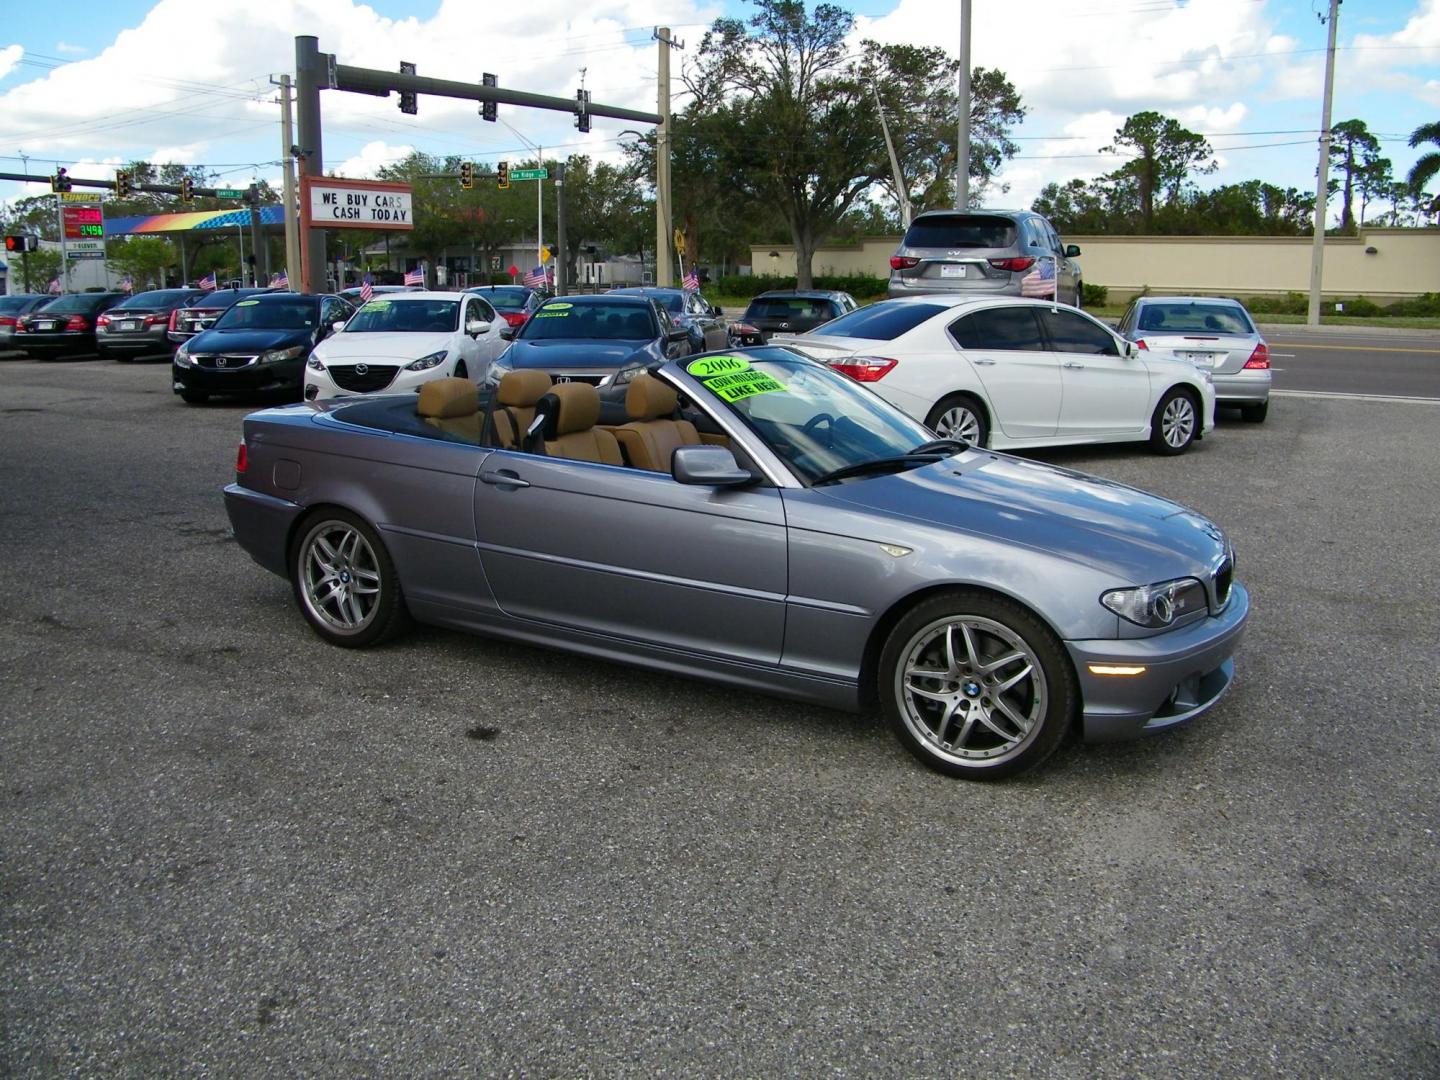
{"points": [[340, 577]]}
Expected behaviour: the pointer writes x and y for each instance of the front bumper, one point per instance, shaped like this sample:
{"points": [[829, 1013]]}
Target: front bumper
{"points": [[1186, 672], [250, 379], [322, 385]]}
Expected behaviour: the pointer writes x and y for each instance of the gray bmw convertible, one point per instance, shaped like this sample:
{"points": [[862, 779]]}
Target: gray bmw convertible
{"points": [[755, 519]]}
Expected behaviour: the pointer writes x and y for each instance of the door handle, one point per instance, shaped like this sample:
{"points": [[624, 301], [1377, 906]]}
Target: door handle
{"points": [[503, 478], [1073, 364], [985, 360]]}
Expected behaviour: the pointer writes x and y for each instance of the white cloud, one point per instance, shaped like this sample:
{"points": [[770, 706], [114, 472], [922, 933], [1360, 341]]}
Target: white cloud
{"points": [[64, 48], [10, 55], [372, 157]]}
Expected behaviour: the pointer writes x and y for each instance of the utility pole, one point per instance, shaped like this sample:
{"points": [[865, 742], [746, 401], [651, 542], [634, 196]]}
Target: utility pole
{"points": [[310, 75], [560, 241], [64, 274], [664, 275], [962, 139], [901, 194], [287, 155], [1322, 177]]}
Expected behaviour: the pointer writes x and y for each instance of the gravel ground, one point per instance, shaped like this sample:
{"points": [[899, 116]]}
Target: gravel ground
{"points": [[228, 849]]}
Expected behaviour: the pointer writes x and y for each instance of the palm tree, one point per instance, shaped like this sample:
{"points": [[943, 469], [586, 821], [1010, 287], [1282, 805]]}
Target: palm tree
{"points": [[1428, 166]]}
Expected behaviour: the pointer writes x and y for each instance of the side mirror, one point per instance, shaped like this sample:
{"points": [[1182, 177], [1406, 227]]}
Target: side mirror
{"points": [[717, 310], [507, 333], [337, 326], [708, 466], [1072, 251], [1131, 350], [475, 327]]}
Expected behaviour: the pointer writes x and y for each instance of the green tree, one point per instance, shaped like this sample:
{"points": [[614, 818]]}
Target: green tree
{"points": [[1353, 151], [1163, 154], [804, 139], [1428, 166], [144, 258]]}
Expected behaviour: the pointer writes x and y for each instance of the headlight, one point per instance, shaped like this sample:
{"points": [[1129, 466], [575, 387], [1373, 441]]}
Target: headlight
{"points": [[627, 375], [425, 363], [498, 370], [314, 364], [1159, 605], [269, 356], [182, 356]]}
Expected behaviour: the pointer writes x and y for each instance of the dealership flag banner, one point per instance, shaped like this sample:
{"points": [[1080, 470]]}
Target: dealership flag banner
{"points": [[207, 282], [1040, 283], [416, 276], [367, 289]]}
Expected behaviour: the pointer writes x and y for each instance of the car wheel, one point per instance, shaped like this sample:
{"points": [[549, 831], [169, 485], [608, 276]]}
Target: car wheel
{"points": [[1079, 295], [461, 371], [1255, 414], [976, 686], [959, 416], [194, 397], [1175, 423], [345, 581]]}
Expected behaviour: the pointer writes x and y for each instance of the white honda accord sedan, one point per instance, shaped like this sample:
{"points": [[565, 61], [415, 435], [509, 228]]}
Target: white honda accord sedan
{"points": [[398, 341], [1011, 373]]}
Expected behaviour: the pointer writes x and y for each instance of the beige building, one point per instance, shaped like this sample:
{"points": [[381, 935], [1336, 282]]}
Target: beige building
{"points": [[1382, 265]]}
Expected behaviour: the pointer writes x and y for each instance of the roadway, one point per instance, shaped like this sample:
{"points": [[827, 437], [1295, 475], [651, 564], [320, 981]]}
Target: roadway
{"points": [[1386, 363]]}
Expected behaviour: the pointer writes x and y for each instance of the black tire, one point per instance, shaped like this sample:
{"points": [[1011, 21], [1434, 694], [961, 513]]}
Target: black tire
{"points": [[1175, 422], [194, 397], [949, 412], [461, 371], [1001, 730], [344, 581], [1255, 414], [1079, 296]]}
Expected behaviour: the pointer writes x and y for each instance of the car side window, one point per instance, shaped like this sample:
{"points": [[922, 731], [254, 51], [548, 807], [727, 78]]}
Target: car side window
{"points": [[662, 317], [472, 312], [1072, 333], [1127, 321], [1002, 328]]}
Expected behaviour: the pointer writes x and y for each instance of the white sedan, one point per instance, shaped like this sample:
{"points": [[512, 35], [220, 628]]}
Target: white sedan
{"points": [[398, 341], [1011, 373]]}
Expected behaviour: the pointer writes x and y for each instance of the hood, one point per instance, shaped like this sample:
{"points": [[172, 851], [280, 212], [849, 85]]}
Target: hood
{"points": [[1138, 537], [560, 353], [343, 348], [247, 341]]}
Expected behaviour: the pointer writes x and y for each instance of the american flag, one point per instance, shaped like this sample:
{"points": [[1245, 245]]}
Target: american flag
{"points": [[55, 286], [534, 277], [280, 280], [207, 282], [367, 289], [416, 276], [127, 284], [1040, 282], [691, 282]]}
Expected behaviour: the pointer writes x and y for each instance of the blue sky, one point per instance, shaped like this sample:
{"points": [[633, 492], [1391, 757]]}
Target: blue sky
{"points": [[157, 79]]}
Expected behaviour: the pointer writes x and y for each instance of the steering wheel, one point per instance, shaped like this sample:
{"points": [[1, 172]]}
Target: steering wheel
{"points": [[815, 421]]}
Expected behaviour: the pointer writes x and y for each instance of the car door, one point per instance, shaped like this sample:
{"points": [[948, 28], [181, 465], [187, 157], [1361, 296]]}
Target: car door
{"points": [[621, 553], [1021, 377], [1105, 391], [484, 347], [716, 336]]}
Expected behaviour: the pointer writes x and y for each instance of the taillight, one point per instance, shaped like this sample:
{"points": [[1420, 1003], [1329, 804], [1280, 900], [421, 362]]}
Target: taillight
{"points": [[20, 327], [9, 320], [903, 262], [743, 328], [514, 318], [175, 314], [76, 322], [864, 368], [103, 320], [242, 458], [1260, 358], [1142, 344], [1023, 262], [151, 320]]}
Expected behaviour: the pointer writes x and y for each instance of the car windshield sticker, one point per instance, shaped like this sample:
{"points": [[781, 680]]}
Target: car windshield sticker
{"points": [[717, 365], [742, 384], [376, 305], [548, 313], [557, 307], [247, 303]]}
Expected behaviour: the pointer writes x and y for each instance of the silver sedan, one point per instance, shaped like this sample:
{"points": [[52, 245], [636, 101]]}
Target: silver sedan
{"points": [[1214, 334]]}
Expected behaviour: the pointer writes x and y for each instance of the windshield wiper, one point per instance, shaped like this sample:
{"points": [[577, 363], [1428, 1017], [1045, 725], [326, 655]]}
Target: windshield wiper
{"points": [[877, 465], [941, 444]]}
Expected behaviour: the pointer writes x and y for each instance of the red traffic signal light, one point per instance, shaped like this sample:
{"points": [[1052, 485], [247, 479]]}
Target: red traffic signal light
{"points": [[21, 244]]}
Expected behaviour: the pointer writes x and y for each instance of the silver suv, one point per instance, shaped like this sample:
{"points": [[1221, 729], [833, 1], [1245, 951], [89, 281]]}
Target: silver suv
{"points": [[989, 252]]}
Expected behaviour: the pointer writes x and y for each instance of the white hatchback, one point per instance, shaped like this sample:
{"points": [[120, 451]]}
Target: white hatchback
{"points": [[396, 342], [1011, 373]]}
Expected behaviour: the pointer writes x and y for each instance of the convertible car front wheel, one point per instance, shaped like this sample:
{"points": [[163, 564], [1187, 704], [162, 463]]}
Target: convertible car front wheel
{"points": [[345, 581], [976, 686]]}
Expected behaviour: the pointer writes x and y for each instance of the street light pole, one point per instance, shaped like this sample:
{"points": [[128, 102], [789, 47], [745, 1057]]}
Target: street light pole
{"points": [[1322, 179]]}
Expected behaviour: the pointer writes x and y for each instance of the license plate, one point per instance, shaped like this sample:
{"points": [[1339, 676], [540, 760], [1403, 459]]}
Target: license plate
{"points": [[951, 270], [44, 326], [130, 325], [1200, 359]]}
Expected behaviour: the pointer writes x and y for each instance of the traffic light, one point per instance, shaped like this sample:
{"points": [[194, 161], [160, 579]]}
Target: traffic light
{"points": [[467, 175], [123, 189], [407, 97], [502, 175], [582, 114], [18, 245], [187, 189], [59, 182], [488, 109]]}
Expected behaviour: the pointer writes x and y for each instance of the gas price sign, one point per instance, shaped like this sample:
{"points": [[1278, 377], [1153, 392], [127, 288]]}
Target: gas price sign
{"points": [[83, 222]]}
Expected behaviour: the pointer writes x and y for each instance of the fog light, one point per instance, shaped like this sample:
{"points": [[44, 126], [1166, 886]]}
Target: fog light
{"points": [[311, 391], [1116, 669]]}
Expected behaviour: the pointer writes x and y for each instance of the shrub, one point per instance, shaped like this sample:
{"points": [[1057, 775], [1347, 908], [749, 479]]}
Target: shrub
{"points": [[1358, 307], [1093, 295], [1427, 304]]}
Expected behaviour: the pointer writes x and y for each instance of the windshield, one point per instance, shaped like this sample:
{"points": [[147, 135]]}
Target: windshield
{"points": [[156, 298], [796, 307], [884, 321], [814, 418], [405, 317], [1201, 318], [960, 231], [589, 320], [76, 302], [503, 299], [297, 314], [9, 305]]}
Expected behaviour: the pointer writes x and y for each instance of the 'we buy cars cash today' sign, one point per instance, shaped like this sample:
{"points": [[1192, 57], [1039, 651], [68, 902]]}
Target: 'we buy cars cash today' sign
{"points": [[357, 204]]}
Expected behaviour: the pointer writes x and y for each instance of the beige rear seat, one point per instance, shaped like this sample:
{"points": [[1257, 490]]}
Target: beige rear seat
{"points": [[650, 439], [571, 431], [453, 406]]}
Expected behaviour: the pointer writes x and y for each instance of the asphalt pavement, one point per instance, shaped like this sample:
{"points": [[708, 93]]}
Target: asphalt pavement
{"points": [[228, 849], [1353, 361]]}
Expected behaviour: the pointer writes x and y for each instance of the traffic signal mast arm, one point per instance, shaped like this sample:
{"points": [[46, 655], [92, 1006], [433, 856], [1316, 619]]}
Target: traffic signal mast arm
{"points": [[109, 185]]}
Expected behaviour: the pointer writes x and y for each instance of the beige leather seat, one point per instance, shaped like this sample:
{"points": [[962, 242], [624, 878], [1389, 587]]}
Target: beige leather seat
{"points": [[453, 406], [513, 406], [570, 430], [650, 439]]}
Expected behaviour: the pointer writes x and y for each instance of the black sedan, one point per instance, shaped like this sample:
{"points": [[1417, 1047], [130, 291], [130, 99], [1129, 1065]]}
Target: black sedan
{"points": [[201, 314], [703, 323], [789, 311], [259, 346], [66, 326], [15, 307], [601, 340], [139, 325]]}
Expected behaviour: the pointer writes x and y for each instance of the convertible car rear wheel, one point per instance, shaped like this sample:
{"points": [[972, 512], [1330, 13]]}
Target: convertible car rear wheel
{"points": [[345, 581], [976, 686]]}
